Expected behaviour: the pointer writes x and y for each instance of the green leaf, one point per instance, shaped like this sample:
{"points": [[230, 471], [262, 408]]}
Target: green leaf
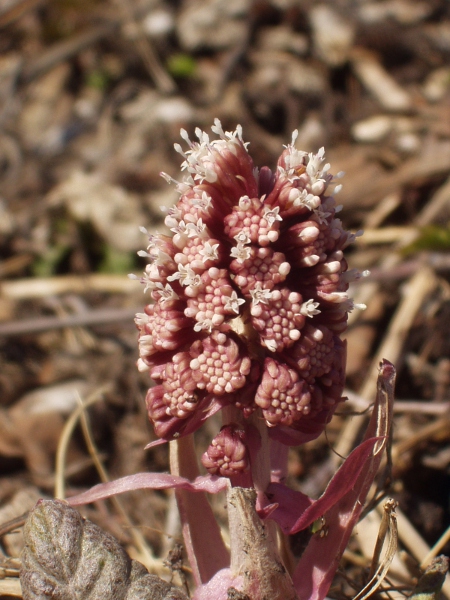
{"points": [[116, 261], [431, 237], [181, 65], [47, 264]]}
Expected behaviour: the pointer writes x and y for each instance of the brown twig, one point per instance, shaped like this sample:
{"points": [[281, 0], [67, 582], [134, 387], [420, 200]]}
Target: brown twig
{"points": [[94, 317], [160, 76], [14, 9], [13, 524], [64, 50]]}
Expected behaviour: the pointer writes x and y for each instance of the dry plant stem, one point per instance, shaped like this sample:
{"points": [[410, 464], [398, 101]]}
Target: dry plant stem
{"points": [[442, 541], [431, 161], [425, 407], [160, 76], [360, 339], [368, 532], [355, 559], [10, 587], [419, 287], [206, 551], [438, 261], [65, 438], [416, 545], [11, 525], [379, 571], [14, 264], [9, 566], [254, 554], [146, 555], [387, 235], [433, 208], [378, 81], [436, 207], [410, 538], [14, 9], [388, 527], [381, 210], [92, 317], [440, 428], [42, 287], [61, 51]]}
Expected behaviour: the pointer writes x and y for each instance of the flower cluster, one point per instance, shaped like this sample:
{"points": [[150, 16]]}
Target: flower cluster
{"points": [[227, 455], [250, 292]]}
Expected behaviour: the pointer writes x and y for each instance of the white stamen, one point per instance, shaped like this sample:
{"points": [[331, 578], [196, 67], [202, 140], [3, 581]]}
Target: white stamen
{"points": [[207, 325], [271, 215], [240, 253], [242, 238], [185, 275], [209, 252], [310, 308], [260, 295], [203, 203], [233, 302], [322, 215], [166, 292], [195, 230]]}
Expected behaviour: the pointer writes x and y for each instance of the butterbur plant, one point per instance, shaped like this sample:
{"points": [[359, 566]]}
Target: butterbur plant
{"points": [[249, 298]]}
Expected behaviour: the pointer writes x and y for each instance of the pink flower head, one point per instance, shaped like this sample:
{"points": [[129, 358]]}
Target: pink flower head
{"points": [[250, 293], [227, 454]]}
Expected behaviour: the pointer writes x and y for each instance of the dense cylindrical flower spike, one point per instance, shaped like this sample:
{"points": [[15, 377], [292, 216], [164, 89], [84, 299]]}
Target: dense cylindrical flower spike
{"points": [[227, 454], [250, 294], [282, 395]]}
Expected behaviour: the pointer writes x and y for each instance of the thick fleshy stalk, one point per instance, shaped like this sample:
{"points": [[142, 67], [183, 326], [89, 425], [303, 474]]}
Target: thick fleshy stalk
{"points": [[199, 526]]}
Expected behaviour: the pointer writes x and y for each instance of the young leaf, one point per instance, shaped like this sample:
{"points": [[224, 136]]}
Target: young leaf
{"points": [[68, 557], [153, 481]]}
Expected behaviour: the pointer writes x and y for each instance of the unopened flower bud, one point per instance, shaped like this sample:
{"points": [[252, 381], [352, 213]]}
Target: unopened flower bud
{"points": [[227, 454]]}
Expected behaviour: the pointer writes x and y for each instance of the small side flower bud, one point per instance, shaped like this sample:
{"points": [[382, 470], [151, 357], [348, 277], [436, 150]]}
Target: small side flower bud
{"points": [[227, 454]]}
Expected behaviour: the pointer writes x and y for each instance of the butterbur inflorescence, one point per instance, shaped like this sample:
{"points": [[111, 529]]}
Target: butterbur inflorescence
{"points": [[249, 300], [250, 296]]}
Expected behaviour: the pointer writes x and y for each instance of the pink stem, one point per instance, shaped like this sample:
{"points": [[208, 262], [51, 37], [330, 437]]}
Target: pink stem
{"points": [[206, 551]]}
